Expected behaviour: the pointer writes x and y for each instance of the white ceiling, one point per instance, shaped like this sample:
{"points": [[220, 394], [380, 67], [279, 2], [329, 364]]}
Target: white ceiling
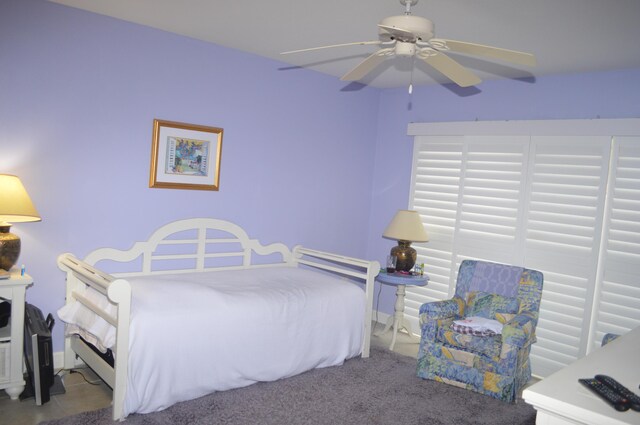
{"points": [[567, 36]]}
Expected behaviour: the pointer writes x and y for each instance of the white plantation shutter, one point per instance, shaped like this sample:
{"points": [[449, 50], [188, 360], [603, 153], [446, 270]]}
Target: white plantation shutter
{"points": [[566, 189], [539, 202], [468, 191], [618, 296], [436, 181]]}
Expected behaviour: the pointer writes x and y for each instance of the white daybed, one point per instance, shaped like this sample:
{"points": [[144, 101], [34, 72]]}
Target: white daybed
{"points": [[220, 317]]}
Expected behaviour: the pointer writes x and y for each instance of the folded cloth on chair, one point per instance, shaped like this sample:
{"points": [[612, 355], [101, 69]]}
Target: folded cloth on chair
{"points": [[478, 326]]}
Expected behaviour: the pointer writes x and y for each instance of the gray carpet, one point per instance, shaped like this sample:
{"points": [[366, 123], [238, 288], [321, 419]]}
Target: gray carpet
{"points": [[382, 389]]}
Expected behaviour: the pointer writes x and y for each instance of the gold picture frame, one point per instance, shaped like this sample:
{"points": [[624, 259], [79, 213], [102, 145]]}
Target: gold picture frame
{"points": [[185, 156]]}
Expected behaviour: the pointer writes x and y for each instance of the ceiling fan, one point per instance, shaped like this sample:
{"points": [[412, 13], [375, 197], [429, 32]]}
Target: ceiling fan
{"points": [[413, 36]]}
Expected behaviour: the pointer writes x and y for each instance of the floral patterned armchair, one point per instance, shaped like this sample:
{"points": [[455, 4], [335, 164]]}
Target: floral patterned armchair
{"points": [[492, 364]]}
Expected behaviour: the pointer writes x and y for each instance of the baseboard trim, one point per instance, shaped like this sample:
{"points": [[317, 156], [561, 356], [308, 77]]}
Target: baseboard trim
{"points": [[58, 361], [383, 318]]}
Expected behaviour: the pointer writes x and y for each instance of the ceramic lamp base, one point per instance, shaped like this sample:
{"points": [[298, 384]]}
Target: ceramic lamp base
{"points": [[9, 248], [406, 256]]}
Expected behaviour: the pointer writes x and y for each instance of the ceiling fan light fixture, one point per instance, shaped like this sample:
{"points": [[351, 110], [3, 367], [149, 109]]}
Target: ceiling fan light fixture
{"points": [[407, 28], [405, 49]]}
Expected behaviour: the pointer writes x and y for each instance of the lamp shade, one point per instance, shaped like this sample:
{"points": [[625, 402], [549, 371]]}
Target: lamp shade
{"points": [[406, 226], [15, 204]]}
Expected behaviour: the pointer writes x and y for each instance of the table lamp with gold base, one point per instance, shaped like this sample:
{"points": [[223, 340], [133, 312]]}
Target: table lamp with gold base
{"points": [[15, 207], [406, 227]]}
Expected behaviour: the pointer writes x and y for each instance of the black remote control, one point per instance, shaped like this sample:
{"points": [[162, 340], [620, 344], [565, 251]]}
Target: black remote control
{"points": [[634, 399], [607, 393]]}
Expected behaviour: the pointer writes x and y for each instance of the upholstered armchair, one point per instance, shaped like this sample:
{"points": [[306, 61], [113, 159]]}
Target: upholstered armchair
{"points": [[495, 364]]}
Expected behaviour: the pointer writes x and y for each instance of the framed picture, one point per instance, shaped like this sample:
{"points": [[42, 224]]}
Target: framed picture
{"points": [[185, 156]]}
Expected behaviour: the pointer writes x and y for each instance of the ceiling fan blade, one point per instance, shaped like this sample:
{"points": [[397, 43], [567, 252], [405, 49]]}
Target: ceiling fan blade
{"points": [[450, 68], [377, 42], [367, 65], [399, 33], [481, 50]]}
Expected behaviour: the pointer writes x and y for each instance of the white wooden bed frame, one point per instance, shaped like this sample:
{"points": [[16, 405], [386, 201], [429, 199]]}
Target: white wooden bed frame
{"points": [[118, 290]]}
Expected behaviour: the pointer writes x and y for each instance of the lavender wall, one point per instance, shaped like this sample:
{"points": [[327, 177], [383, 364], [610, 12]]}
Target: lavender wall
{"points": [[303, 161], [78, 95], [613, 94]]}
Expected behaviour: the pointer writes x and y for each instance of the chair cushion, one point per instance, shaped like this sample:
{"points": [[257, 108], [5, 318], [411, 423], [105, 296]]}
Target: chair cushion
{"points": [[497, 278], [491, 306]]}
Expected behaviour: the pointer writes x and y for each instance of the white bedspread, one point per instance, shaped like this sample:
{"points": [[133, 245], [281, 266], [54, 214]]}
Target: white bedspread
{"points": [[192, 334]]}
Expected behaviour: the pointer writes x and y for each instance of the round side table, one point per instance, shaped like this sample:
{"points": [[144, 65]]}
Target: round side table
{"points": [[397, 321]]}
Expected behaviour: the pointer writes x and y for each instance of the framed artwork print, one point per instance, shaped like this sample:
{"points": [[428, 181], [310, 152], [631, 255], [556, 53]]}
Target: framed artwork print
{"points": [[185, 156]]}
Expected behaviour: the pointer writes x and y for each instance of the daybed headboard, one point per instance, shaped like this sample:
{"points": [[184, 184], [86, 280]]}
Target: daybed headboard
{"points": [[196, 243]]}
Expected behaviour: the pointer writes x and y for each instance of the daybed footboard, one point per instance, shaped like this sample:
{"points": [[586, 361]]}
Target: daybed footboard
{"points": [[336, 263], [118, 292]]}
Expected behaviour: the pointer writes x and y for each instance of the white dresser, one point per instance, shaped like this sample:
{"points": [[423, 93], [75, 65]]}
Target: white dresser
{"points": [[561, 399], [12, 335]]}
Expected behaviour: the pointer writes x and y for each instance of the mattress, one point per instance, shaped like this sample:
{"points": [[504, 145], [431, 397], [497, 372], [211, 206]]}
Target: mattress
{"points": [[196, 333]]}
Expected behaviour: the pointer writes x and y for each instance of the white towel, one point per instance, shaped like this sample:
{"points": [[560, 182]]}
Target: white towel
{"points": [[480, 324]]}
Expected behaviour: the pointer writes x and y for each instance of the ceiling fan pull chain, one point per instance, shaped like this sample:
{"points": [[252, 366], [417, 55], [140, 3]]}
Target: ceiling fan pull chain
{"points": [[413, 66]]}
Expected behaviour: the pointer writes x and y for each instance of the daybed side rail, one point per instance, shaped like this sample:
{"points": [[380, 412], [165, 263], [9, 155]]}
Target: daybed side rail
{"points": [[91, 276], [372, 268], [88, 275], [118, 292], [299, 251]]}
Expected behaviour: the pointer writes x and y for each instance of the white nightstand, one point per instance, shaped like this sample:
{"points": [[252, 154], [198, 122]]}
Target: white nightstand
{"points": [[12, 335]]}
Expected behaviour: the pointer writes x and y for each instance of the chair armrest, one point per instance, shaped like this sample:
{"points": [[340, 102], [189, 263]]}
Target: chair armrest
{"points": [[520, 331], [441, 309]]}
